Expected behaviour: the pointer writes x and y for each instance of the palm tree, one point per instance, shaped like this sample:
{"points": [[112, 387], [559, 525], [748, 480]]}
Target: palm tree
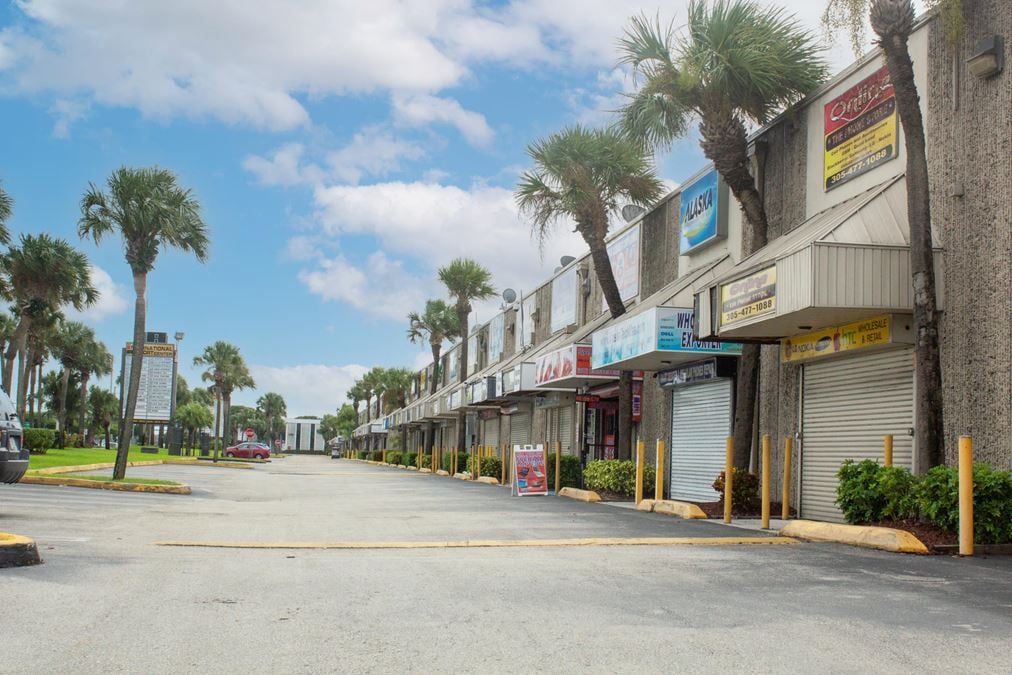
{"points": [[202, 396], [104, 408], [150, 211], [6, 208], [397, 382], [73, 344], [272, 407], [194, 416], [228, 372], [893, 22], [737, 63], [356, 394], [437, 324], [465, 281], [45, 273], [95, 359], [585, 175]]}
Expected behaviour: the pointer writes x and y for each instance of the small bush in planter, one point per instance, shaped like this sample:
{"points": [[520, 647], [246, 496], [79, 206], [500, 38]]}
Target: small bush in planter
{"points": [[361, 454], [938, 501], [38, 440], [571, 470], [617, 476], [744, 489], [408, 458], [491, 466], [393, 457]]}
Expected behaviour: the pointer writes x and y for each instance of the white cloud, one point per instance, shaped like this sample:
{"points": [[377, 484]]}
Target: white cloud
{"points": [[380, 286], [113, 298], [308, 389], [421, 110], [283, 167], [373, 151]]}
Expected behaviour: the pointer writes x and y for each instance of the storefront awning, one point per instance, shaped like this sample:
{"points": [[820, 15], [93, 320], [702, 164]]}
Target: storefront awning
{"points": [[845, 264], [569, 368]]}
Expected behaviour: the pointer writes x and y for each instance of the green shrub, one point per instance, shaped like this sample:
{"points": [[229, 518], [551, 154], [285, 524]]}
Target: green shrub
{"points": [[39, 440], [361, 454], [463, 461], [859, 494], [938, 500], [571, 470], [899, 493], [491, 466], [744, 489], [393, 457], [73, 441], [408, 458], [618, 476], [426, 462]]}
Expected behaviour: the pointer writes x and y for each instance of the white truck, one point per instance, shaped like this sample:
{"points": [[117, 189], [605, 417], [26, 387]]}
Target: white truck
{"points": [[13, 453]]}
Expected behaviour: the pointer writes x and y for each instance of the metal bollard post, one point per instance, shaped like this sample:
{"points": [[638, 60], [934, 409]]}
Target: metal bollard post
{"points": [[502, 465], [659, 477], [558, 466], [965, 495], [888, 450], [639, 471], [785, 512], [728, 477], [766, 483]]}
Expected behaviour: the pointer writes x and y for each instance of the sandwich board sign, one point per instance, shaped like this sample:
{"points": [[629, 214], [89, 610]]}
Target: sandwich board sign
{"points": [[530, 477]]}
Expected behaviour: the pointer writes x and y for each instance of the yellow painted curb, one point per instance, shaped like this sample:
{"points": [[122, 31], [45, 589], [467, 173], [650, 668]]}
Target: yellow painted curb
{"points": [[580, 495], [104, 485], [401, 466], [88, 467], [412, 468], [645, 505], [685, 510], [883, 538], [462, 476], [18, 551], [425, 469], [492, 543], [220, 464], [488, 480], [442, 472]]}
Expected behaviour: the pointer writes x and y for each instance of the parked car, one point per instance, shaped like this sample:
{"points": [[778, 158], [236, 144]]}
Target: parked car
{"points": [[13, 453], [249, 451]]}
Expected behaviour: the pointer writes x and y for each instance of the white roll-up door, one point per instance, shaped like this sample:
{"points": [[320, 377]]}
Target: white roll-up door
{"points": [[566, 428], [700, 425], [492, 433], [848, 406], [520, 428]]}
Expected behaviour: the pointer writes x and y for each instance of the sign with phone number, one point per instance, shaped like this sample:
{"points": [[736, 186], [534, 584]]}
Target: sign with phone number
{"points": [[749, 297], [860, 129]]}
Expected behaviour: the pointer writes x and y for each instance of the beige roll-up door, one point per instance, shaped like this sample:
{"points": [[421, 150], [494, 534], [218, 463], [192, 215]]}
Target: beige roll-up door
{"points": [[520, 428], [848, 406], [700, 425], [492, 433]]}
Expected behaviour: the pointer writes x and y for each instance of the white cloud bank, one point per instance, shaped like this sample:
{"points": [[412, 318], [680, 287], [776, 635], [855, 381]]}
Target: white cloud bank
{"points": [[113, 299], [308, 389]]}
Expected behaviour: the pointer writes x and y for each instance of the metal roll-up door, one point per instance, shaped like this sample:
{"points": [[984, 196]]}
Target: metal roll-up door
{"points": [[520, 428], [848, 406], [492, 433], [566, 428], [700, 425]]}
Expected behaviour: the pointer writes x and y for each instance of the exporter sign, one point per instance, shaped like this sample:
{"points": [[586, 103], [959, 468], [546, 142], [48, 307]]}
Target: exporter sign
{"points": [[860, 129]]}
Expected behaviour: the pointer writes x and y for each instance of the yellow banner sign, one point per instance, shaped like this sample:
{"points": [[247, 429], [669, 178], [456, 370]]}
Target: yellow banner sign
{"points": [[752, 296], [154, 349], [837, 340]]}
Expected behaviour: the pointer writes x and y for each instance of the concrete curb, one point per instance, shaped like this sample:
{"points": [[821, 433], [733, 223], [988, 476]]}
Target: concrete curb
{"points": [[462, 476], [668, 507], [18, 551], [79, 468], [488, 480], [401, 466], [103, 485], [442, 472], [580, 495], [425, 469], [882, 538], [412, 468]]}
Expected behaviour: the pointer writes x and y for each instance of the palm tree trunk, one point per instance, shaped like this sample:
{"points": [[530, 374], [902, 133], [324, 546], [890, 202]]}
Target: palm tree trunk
{"points": [[217, 422], [893, 25], [16, 345], [136, 361], [463, 314], [31, 393], [85, 376], [227, 434], [62, 409], [23, 366], [108, 436], [724, 142]]}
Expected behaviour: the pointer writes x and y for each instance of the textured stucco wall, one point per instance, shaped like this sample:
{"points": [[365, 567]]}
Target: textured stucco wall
{"points": [[659, 247], [970, 146]]}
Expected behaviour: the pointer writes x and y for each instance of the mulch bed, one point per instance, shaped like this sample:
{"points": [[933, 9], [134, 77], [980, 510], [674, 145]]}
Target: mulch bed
{"points": [[926, 532], [716, 510]]}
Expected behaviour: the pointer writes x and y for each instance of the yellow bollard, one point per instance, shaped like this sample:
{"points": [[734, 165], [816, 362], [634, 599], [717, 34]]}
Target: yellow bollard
{"points": [[766, 483], [965, 495], [640, 460], [659, 478], [785, 511], [558, 466], [728, 477], [502, 465], [888, 450]]}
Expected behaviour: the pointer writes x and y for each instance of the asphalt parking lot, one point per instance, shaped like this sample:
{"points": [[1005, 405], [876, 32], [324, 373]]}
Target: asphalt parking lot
{"points": [[111, 597]]}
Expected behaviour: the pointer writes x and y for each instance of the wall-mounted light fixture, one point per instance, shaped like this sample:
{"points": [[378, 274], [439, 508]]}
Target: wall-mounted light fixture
{"points": [[988, 59]]}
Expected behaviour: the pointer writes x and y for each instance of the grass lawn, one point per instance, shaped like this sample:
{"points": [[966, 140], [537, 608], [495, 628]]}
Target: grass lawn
{"points": [[139, 481], [79, 456]]}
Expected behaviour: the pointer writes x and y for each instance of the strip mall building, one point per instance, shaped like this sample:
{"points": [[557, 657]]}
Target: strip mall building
{"points": [[830, 296]]}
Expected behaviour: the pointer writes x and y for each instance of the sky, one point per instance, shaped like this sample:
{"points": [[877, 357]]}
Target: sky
{"points": [[341, 151]]}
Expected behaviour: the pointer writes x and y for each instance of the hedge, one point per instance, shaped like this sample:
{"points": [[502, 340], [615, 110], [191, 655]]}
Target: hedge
{"points": [[869, 493], [617, 476], [490, 466], [39, 440], [393, 457], [571, 469], [408, 458]]}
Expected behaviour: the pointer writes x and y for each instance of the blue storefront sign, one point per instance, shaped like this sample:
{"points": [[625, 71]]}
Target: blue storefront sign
{"points": [[660, 329], [702, 213]]}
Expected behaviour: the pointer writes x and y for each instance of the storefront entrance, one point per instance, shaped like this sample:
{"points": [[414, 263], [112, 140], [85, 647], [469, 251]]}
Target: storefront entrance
{"points": [[700, 425]]}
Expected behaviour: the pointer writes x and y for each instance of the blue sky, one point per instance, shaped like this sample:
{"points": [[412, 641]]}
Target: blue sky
{"points": [[341, 151]]}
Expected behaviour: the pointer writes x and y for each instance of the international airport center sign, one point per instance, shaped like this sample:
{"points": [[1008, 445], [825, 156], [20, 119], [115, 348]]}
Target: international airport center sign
{"points": [[702, 213]]}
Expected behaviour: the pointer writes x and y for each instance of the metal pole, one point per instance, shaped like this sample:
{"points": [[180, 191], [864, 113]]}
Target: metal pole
{"points": [[965, 495], [659, 478], [728, 477], [558, 466], [639, 471], [888, 450], [785, 511], [766, 482]]}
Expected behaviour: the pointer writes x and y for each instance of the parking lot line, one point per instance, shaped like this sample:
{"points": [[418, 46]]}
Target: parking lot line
{"points": [[490, 543]]}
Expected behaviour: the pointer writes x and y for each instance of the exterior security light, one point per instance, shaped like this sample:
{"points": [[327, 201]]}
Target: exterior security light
{"points": [[179, 335], [988, 58]]}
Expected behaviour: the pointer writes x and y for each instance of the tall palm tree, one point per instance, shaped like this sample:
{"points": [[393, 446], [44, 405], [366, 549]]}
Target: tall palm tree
{"points": [[104, 409], [45, 273], [150, 211], [272, 406], [737, 63], [585, 175], [356, 394], [237, 377], [95, 360], [224, 366], [6, 208], [72, 347], [893, 22], [465, 281], [397, 382], [194, 416], [437, 324]]}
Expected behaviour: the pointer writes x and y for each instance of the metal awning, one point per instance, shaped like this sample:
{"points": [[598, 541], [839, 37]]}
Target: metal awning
{"points": [[848, 263]]}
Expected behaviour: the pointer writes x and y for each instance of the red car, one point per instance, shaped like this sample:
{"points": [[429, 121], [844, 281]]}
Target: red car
{"points": [[249, 451]]}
